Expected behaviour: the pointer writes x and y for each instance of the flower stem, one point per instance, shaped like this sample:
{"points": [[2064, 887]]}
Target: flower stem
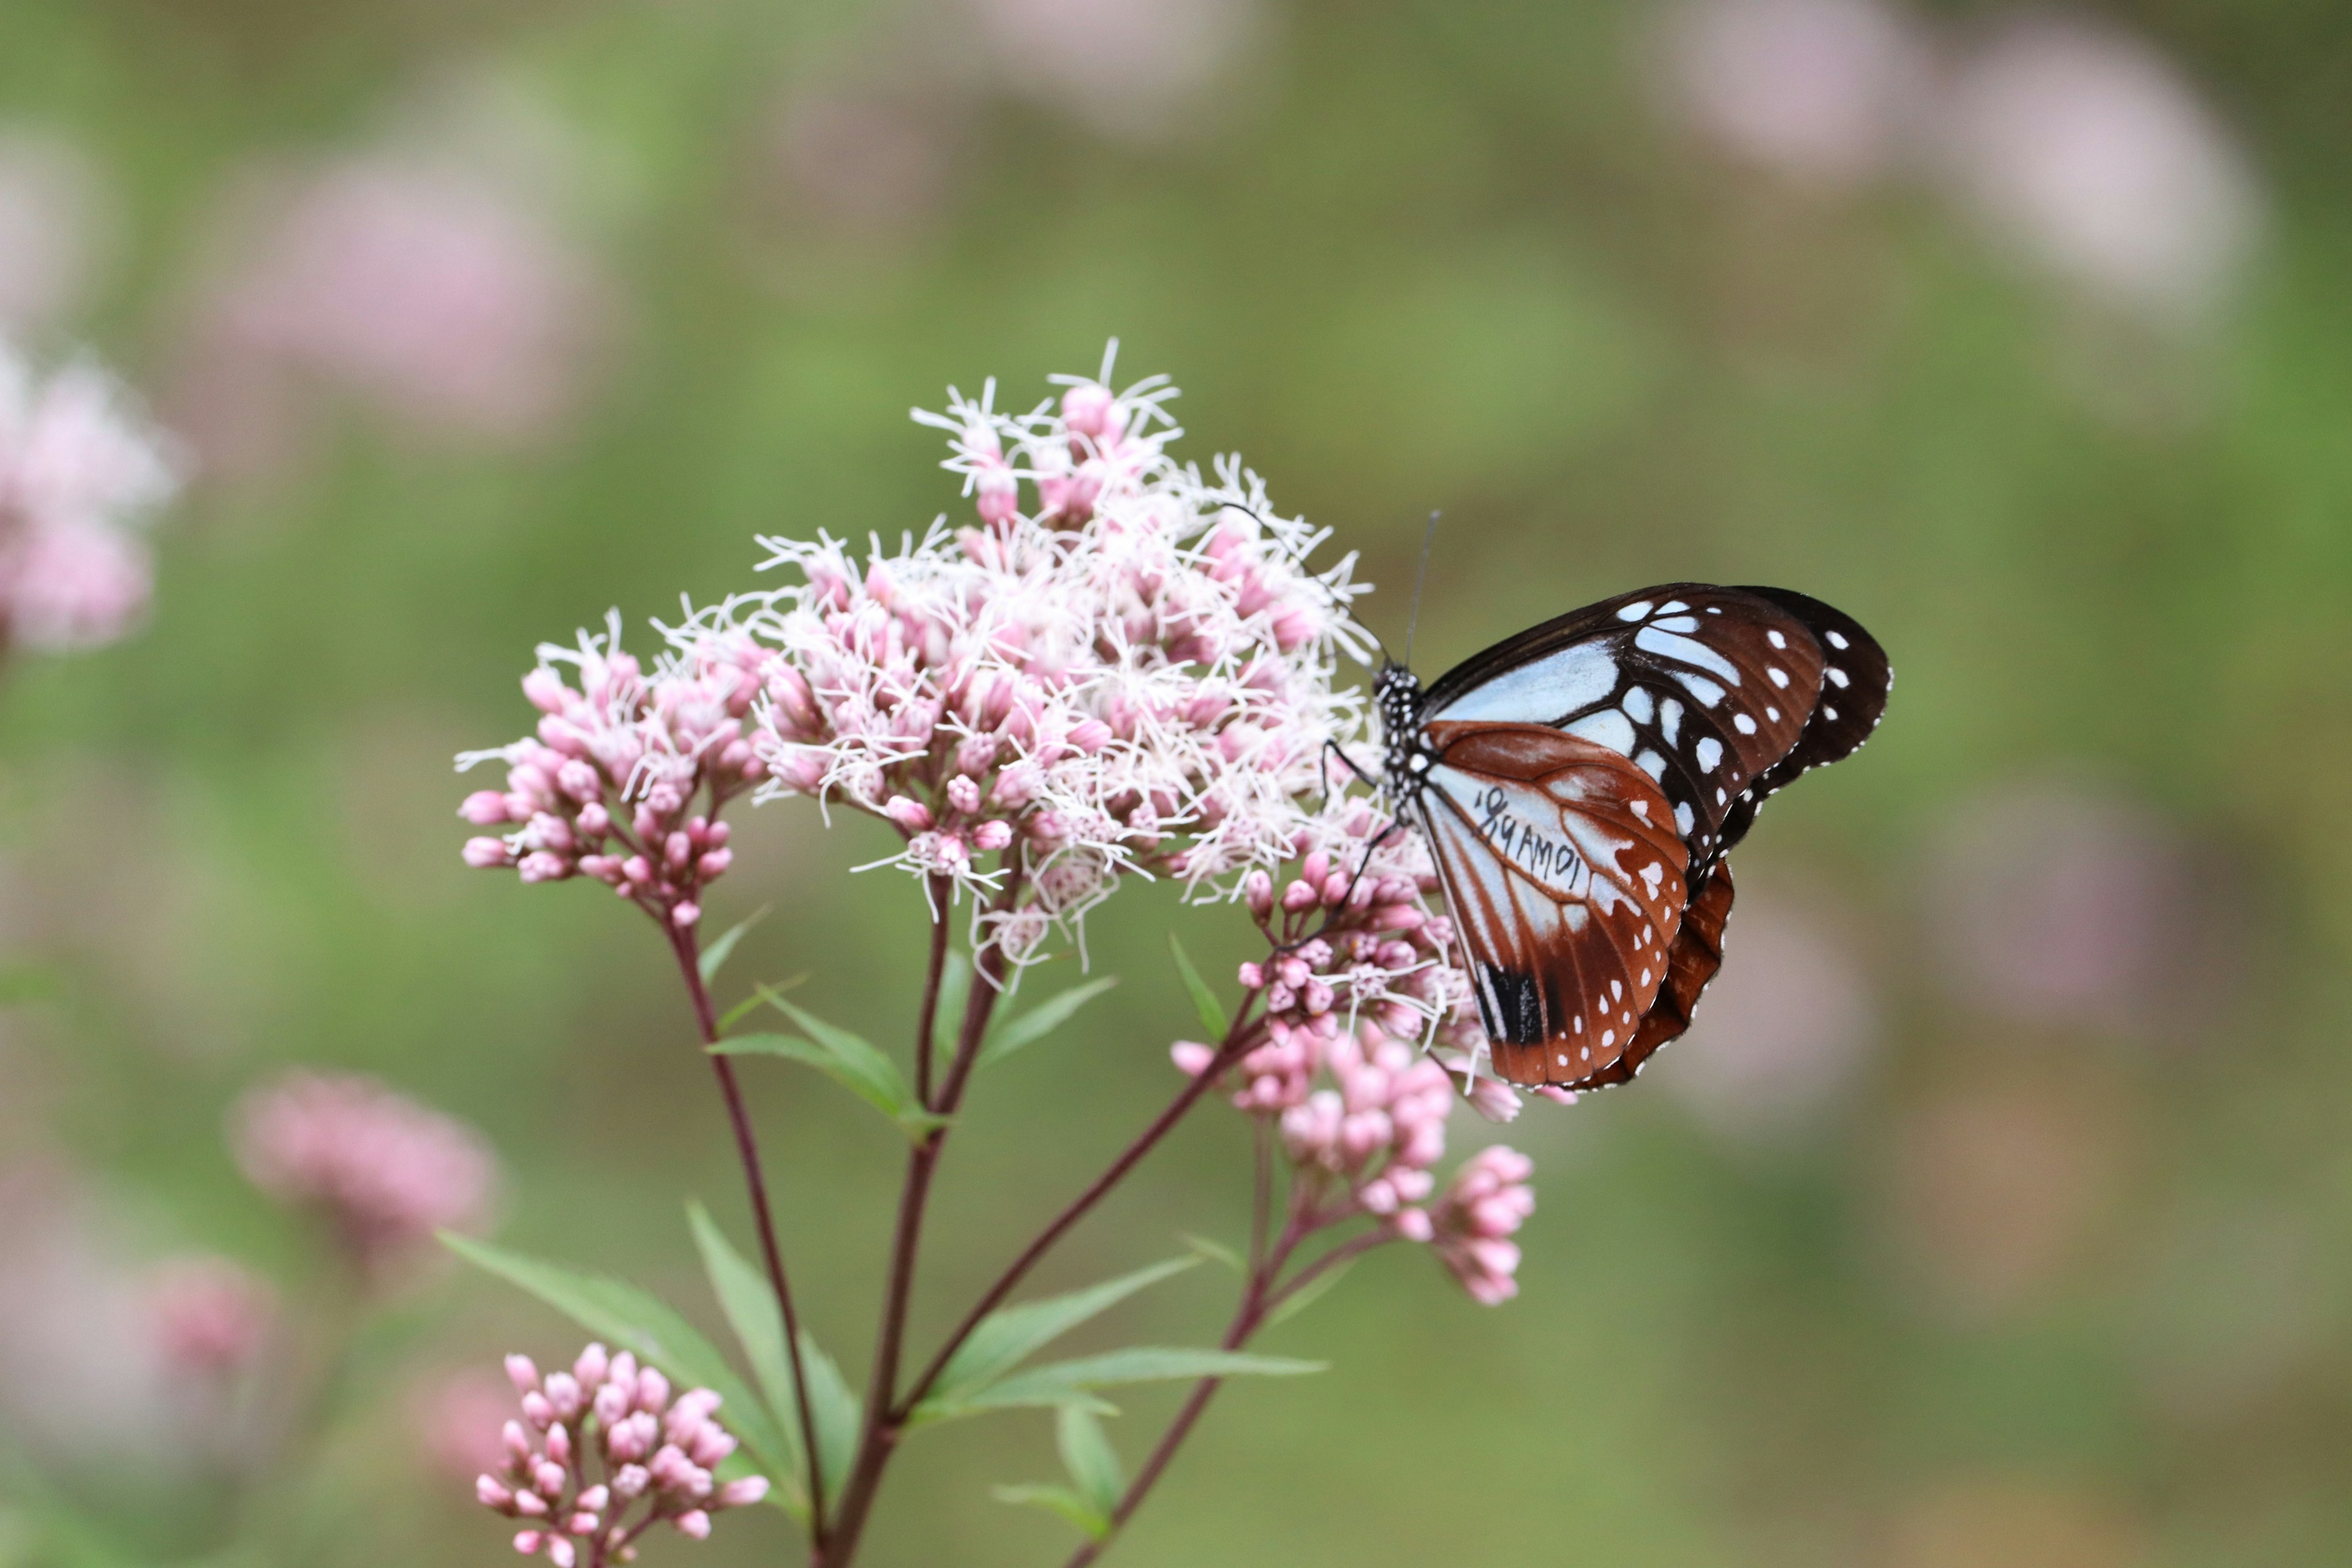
{"points": [[683, 943], [1238, 1039]]}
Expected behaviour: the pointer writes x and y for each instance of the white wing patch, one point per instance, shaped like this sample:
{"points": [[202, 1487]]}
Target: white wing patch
{"points": [[1539, 691]]}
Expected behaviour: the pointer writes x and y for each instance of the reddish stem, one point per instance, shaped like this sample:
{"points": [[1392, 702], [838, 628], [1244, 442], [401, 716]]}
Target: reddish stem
{"points": [[747, 1148]]}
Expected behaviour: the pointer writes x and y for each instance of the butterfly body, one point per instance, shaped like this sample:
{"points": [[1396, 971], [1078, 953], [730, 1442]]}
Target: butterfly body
{"points": [[1580, 784]]}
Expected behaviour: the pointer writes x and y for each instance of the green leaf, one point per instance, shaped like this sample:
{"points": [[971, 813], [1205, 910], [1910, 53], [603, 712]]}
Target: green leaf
{"points": [[1007, 1337], [1071, 1507], [1306, 1295], [1056, 1383], [648, 1328], [1088, 1454], [1204, 1001], [760, 997], [1214, 1251], [750, 1303], [715, 955], [1041, 1020], [947, 1021], [838, 1415], [847, 1058]]}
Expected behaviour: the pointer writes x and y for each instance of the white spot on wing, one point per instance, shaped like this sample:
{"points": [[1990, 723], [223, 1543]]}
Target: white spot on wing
{"points": [[1684, 818], [1670, 719], [1830, 714], [1678, 624], [1673, 608], [1743, 724], [1654, 765], [1639, 705], [1634, 611], [1776, 639], [1779, 677], [1666, 645], [1707, 692], [1710, 751], [1608, 1038], [1608, 727], [1837, 677], [1836, 639], [1641, 808]]}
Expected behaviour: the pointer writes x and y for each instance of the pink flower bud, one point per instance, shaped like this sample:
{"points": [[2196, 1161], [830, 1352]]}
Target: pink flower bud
{"points": [[714, 864], [991, 836], [910, 815], [538, 1411], [1411, 1225], [563, 1393], [653, 1390], [523, 1374], [484, 808], [1298, 898], [526, 1542], [542, 866], [964, 793], [742, 1493], [593, 1363], [489, 1493], [1257, 888], [516, 1441], [1558, 1095], [545, 690], [999, 497], [547, 1477], [1192, 1058], [684, 914], [629, 1482], [695, 1524], [612, 1404], [1091, 736], [562, 1553], [531, 1505], [711, 1444], [482, 854], [1494, 1099], [593, 1500], [558, 1443]]}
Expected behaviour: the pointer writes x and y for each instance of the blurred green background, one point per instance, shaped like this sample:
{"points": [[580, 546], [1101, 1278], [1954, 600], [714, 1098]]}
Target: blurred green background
{"points": [[1998, 1211]]}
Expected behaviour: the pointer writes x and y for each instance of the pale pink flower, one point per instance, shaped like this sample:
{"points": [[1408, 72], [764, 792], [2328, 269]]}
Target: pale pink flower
{"points": [[440, 294], [629, 771], [603, 1454], [1820, 92], [211, 1316], [81, 472], [2086, 149], [385, 1171], [1131, 673], [1487, 1203]]}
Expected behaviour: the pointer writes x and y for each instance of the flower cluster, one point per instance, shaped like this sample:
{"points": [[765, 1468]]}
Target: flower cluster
{"points": [[79, 473], [1119, 665], [385, 1172], [1487, 1203], [615, 784], [597, 1442]]}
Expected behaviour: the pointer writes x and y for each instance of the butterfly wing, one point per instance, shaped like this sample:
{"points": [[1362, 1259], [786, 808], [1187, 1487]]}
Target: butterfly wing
{"points": [[1565, 876], [1706, 689], [1855, 682], [1691, 962]]}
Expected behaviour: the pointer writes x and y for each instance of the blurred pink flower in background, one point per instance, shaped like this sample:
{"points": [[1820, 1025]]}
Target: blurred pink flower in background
{"points": [[385, 1171], [1783, 1029], [2084, 148], [2058, 903], [456, 1417], [439, 294], [211, 1316], [1128, 69], [54, 212], [81, 470], [1819, 92]]}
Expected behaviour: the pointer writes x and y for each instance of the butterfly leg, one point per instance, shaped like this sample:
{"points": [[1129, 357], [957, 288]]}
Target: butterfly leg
{"points": [[1323, 764]]}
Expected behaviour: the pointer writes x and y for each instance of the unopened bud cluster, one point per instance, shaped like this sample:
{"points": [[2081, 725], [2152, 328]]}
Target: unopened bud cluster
{"points": [[603, 1454], [1485, 1203], [626, 774]]}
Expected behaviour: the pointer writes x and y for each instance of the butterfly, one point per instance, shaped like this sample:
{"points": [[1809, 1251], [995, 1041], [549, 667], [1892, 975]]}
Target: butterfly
{"points": [[1579, 784]]}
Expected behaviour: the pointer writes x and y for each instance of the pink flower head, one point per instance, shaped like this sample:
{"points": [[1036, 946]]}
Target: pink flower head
{"points": [[210, 1315], [385, 1172], [80, 471], [1118, 668], [1487, 1203], [629, 770], [602, 1453]]}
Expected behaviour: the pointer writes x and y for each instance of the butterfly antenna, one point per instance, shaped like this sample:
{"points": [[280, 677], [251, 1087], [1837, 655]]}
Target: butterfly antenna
{"points": [[1412, 620]]}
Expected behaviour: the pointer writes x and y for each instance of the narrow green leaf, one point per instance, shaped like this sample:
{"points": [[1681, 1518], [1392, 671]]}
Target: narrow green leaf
{"points": [[645, 1326], [1214, 1251], [837, 1414], [1087, 1520], [757, 1000], [1053, 1383], [750, 1303], [1204, 1001], [1041, 1020], [850, 1062], [1088, 1454], [714, 956], [1306, 1295], [1006, 1338]]}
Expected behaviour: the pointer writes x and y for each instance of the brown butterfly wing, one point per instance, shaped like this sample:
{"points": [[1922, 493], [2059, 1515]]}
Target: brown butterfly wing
{"points": [[1691, 962], [1564, 872]]}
